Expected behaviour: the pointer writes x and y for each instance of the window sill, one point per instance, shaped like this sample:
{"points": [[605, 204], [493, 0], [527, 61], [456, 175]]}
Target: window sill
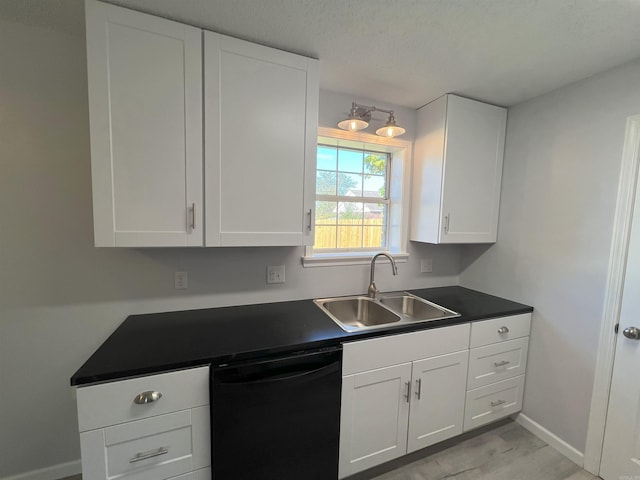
{"points": [[340, 259]]}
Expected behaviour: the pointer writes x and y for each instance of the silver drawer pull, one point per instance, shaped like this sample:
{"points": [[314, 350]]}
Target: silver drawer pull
{"points": [[498, 402], [502, 330], [407, 394], [502, 363], [147, 397], [150, 454]]}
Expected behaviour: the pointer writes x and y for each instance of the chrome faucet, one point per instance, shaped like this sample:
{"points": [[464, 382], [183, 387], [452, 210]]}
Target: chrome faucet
{"points": [[373, 291]]}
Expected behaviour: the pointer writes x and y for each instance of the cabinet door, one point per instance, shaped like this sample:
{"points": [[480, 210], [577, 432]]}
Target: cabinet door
{"points": [[145, 105], [373, 424], [261, 129], [437, 403], [474, 150]]}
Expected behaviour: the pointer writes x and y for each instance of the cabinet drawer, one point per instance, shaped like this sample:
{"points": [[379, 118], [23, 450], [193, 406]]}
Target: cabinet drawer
{"points": [[113, 403], [150, 449], [493, 363], [406, 347], [204, 474], [499, 329], [489, 403]]}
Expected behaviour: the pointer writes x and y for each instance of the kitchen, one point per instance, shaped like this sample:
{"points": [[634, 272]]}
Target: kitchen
{"points": [[62, 297]]}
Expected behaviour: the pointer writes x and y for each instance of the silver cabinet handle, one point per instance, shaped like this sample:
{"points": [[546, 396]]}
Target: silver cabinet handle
{"points": [[502, 363], [446, 223], [418, 388], [502, 330], [632, 332], [310, 218], [407, 395], [150, 454], [498, 402], [193, 216], [147, 397]]}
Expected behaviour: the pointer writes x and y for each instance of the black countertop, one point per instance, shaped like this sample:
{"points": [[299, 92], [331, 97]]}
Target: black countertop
{"points": [[157, 342]]}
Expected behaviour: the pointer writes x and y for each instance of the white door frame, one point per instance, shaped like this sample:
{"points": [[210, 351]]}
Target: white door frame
{"points": [[613, 296]]}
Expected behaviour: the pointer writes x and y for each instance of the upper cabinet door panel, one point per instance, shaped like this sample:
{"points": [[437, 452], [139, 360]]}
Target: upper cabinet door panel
{"points": [[457, 171], [145, 101], [257, 101], [473, 166], [263, 122]]}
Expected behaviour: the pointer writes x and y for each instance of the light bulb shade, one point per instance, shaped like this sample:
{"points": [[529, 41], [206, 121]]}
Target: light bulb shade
{"points": [[390, 129], [353, 124]]}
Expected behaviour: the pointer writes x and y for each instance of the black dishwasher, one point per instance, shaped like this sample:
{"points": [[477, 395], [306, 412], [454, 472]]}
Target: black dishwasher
{"points": [[277, 419]]}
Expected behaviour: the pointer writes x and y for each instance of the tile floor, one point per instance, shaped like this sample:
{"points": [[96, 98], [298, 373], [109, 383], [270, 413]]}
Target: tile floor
{"points": [[506, 452]]}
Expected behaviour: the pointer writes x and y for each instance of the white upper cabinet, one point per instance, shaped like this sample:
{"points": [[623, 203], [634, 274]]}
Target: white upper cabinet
{"points": [[145, 104], [147, 114], [261, 120], [457, 171]]}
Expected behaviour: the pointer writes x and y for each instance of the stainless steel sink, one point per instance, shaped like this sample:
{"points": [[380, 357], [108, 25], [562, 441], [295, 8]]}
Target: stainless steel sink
{"points": [[358, 313], [416, 309]]}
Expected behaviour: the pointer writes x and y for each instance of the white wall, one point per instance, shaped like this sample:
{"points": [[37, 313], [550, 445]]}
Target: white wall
{"points": [[562, 161], [60, 297]]}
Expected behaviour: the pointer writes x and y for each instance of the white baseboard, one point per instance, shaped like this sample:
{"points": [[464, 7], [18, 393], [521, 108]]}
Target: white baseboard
{"points": [[54, 472], [572, 453]]}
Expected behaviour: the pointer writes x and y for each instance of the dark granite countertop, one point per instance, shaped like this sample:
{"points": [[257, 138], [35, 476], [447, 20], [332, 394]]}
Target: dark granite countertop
{"points": [[158, 342]]}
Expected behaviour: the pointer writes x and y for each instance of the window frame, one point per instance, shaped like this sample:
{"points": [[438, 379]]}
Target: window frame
{"points": [[399, 185]]}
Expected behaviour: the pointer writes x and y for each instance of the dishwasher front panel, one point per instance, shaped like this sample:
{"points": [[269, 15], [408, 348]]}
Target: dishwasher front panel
{"points": [[277, 419]]}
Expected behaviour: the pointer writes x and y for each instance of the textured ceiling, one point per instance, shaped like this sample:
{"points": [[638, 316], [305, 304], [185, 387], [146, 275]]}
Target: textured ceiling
{"points": [[408, 52]]}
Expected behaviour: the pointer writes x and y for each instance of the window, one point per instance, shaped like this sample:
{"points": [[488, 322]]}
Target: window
{"points": [[352, 199], [361, 197]]}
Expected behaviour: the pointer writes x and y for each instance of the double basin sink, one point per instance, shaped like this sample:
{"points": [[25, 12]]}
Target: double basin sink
{"points": [[357, 313]]}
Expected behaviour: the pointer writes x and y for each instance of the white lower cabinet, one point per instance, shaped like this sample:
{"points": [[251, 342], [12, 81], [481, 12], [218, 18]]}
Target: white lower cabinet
{"points": [[148, 428], [390, 411], [402, 393], [497, 364]]}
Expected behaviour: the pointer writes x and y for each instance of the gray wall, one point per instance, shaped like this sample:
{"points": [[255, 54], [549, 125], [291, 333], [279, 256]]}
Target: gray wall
{"points": [[562, 162], [60, 297]]}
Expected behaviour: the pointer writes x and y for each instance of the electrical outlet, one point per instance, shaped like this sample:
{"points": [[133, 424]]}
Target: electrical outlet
{"points": [[180, 280], [426, 265], [275, 274]]}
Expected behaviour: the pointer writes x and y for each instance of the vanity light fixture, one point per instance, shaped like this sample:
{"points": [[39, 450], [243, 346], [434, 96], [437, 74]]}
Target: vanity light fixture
{"points": [[360, 116], [358, 119]]}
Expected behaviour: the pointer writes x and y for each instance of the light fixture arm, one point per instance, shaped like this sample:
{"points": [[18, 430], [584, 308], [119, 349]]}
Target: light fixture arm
{"points": [[364, 111]]}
